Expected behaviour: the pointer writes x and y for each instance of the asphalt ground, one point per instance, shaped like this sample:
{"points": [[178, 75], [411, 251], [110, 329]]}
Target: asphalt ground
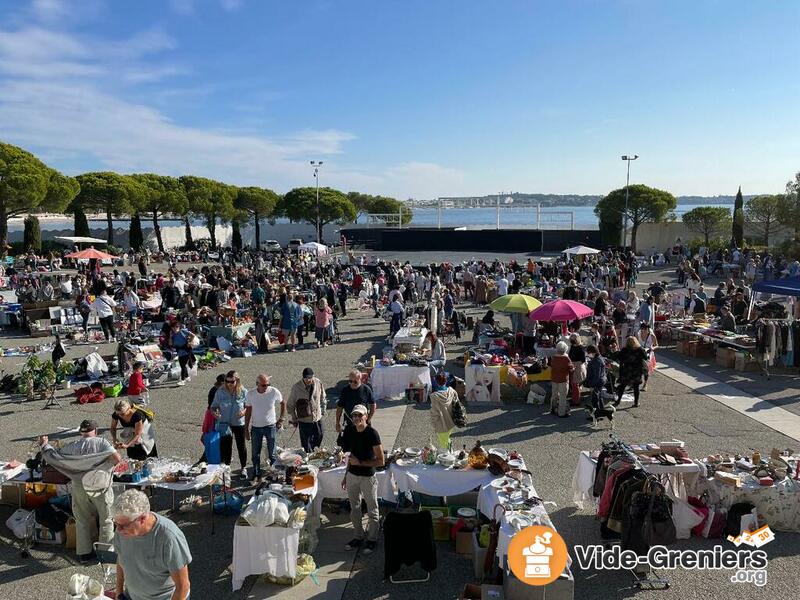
{"points": [[550, 446]]}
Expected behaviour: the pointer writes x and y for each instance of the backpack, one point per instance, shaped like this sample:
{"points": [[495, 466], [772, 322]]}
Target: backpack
{"points": [[458, 413], [147, 413]]}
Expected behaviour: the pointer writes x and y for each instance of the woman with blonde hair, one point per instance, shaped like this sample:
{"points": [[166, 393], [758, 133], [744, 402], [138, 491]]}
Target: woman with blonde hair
{"points": [[632, 367], [442, 399], [229, 411], [137, 435]]}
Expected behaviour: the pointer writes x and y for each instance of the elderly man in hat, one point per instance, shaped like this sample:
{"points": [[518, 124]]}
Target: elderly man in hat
{"points": [[306, 405], [88, 462]]}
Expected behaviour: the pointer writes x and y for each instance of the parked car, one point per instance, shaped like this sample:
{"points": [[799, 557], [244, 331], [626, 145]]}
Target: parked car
{"points": [[294, 245], [271, 246]]}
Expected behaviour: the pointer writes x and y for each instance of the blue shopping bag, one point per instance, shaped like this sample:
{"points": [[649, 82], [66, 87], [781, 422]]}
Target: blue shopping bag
{"points": [[211, 442]]}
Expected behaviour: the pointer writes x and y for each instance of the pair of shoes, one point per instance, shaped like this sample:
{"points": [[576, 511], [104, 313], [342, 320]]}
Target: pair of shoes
{"points": [[188, 379], [369, 547], [644, 389], [353, 544], [294, 349], [181, 382]]}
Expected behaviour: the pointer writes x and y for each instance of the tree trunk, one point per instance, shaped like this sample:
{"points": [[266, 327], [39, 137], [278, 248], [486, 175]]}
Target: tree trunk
{"points": [[257, 230], [211, 223], [766, 232], [157, 229], [236, 237], [634, 230], [189, 239], [110, 222], [706, 236]]}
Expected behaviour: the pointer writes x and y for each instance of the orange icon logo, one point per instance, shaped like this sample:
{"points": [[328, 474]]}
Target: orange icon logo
{"points": [[537, 555]]}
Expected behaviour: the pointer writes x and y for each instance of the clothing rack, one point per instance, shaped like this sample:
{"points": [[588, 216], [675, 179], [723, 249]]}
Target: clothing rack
{"points": [[789, 320], [640, 576]]}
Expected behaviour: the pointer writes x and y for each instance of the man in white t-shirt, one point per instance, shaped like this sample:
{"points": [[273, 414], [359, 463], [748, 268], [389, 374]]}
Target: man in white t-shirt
{"points": [[502, 286], [261, 420]]}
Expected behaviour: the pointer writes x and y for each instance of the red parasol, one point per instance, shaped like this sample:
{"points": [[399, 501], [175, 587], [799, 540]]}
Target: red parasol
{"points": [[91, 253], [561, 310]]}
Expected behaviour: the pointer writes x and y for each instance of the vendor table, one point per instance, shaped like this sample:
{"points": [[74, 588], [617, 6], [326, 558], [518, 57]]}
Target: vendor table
{"points": [[409, 336], [583, 477], [392, 381], [271, 550], [230, 332], [436, 480], [330, 486], [778, 505]]}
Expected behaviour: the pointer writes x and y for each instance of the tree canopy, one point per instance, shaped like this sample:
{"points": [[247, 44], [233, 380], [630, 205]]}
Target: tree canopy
{"points": [[211, 199], [257, 203], [107, 192], [645, 205], [764, 213], [737, 229], [708, 220], [300, 204], [28, 185], [790, 206], [158, 196], [381, 205]]}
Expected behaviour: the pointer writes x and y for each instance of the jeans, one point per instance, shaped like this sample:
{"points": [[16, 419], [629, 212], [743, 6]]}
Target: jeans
{"points": [[183, 361], [311, 435], [257, 436], [597, 399], [359, 487]]}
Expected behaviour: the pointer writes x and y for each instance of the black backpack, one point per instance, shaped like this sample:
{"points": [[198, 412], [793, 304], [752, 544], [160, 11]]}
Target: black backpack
{"points": [[459, 413], [51, 517]]}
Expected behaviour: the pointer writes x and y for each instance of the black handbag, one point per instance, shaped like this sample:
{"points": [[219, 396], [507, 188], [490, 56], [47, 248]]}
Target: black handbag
{"points": [[649, 521]]}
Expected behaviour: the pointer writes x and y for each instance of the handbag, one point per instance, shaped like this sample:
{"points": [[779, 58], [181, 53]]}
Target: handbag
{"points": [[51, 475], [649, 521]]}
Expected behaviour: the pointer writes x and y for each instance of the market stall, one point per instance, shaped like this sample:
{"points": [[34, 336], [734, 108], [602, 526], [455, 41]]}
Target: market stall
{"points": [[409, 337], [394, 380]]}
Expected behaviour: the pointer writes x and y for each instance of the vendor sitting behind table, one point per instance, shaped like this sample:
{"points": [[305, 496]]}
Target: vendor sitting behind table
{"points": [[434, 348], [727, 322]]}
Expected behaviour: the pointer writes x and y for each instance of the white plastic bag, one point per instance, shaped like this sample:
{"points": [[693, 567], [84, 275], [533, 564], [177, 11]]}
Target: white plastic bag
{"points": [[95, 365], [260, 511], [282, 513], [19, 523]]}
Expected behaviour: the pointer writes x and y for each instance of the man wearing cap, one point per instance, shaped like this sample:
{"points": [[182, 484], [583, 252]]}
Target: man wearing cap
{"points": [[366, 454], [88, 463], [305, 407]]}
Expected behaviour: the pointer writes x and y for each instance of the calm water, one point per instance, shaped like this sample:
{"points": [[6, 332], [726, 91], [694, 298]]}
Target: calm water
{"points": [[552, 218]]}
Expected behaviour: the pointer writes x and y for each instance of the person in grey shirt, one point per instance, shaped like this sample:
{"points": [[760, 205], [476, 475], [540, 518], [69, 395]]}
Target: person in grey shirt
{"points": [[152, 554]]}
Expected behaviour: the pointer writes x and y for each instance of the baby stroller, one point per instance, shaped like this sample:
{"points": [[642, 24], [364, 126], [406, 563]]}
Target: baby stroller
{"points": [[334, 330]]}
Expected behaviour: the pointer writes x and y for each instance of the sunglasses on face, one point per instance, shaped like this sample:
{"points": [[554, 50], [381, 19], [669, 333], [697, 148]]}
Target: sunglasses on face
{"points": [[357, 416], [128, 525]]}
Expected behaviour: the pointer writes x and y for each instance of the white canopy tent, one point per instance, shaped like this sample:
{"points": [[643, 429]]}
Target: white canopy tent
{"points": [[580, 251], [314, 248], [79, 240]]}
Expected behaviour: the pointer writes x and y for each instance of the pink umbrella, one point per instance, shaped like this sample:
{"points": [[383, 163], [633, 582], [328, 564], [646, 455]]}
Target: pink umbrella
{"points": [[561, 310]]}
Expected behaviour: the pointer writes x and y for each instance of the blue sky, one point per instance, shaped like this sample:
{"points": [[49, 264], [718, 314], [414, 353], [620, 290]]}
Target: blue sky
{"points": [[413, 98]]}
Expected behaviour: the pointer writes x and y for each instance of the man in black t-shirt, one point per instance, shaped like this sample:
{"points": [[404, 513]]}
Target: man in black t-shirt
{"points": [[366, 453], [354, 393]]}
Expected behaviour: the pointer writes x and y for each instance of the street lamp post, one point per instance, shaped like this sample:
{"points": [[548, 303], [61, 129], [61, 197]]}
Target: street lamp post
{"points": [[317, 165], [627, 185]]}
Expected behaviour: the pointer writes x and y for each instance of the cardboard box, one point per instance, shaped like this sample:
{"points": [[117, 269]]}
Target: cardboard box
{"points": [[744, 362], [701, 350], [43, 535], [473, 591], [726, 358], [464, 543], [12, 495]]}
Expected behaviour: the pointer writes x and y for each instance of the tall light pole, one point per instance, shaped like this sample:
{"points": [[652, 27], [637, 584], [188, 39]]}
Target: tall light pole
{"points": [[627, 185], [317, 165]]}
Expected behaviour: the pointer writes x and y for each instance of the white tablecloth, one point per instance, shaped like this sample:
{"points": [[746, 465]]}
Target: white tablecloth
{"points": [[330, 486], [409, 336], [482, 383], [273, 550], [258, 550], [392, 381], [10, 473], [487, 500], [435, 480], [212, 475]]}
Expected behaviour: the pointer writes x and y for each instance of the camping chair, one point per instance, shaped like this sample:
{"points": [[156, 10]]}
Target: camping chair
{"points": [[416, 526]]}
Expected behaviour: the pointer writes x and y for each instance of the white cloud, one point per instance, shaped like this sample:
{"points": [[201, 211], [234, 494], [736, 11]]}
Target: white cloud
{"points": [[50, 10]]}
